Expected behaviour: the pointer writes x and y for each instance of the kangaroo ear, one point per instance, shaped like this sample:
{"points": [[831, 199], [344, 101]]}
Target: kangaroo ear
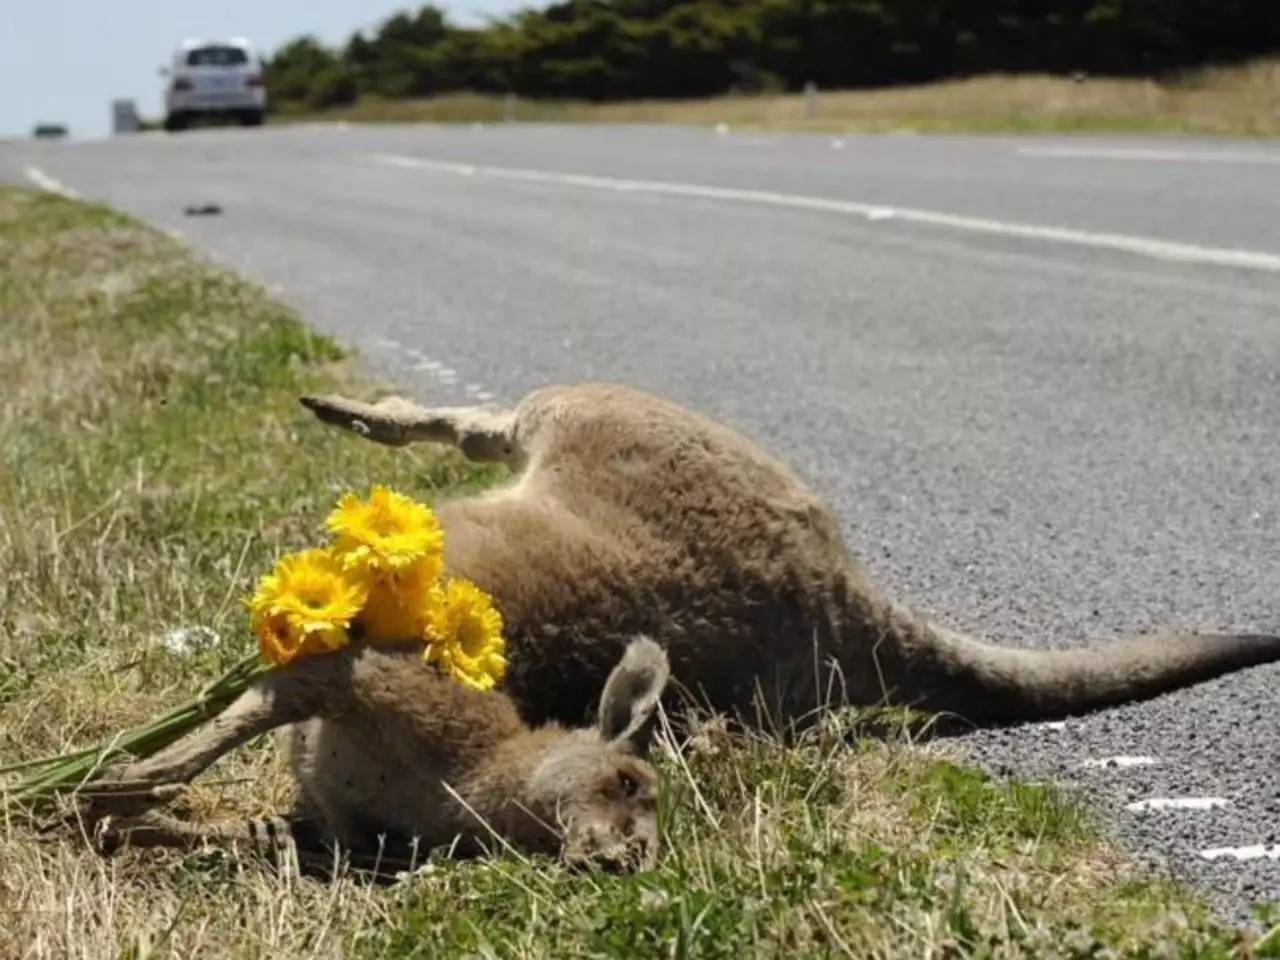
{"points": [[629, 704]]}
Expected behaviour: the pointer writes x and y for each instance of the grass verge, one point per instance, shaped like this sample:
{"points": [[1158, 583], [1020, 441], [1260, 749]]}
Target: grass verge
{"points": [[1228, 101], [154, 460]]}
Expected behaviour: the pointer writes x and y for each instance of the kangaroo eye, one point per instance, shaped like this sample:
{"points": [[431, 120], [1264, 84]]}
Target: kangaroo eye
{"points": [[630, 785]]}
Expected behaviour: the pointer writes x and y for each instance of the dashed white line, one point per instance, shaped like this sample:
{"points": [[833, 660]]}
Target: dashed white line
{"points": [[484, 396], [427, 365], [1141, 246], [1049, 726], [50, 185], [1119, 763], [1256, 852], [1151, 154], [1177, 803]]}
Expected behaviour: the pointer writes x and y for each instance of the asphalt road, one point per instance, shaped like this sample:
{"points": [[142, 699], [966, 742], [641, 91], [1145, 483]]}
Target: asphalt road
{"points": [[1039, 379]]}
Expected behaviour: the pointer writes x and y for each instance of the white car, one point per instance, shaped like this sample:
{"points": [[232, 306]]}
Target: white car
{"points": [[214, 78]]}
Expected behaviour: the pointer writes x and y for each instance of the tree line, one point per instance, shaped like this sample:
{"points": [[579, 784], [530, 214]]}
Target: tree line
{"points": [[619, 49]]}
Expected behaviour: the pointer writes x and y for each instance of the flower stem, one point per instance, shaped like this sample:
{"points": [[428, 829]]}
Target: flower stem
{"points": [[71, 770]]}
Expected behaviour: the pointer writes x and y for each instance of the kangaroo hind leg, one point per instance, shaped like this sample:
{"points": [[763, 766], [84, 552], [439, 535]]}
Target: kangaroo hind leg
{"points": [[484, 434]]}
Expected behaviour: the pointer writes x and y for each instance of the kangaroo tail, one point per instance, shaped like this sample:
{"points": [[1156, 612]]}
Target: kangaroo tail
{"points": [[920, 664]]}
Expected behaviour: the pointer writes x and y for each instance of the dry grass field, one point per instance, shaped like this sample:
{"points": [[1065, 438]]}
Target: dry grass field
{"points": [[1236, 101]]}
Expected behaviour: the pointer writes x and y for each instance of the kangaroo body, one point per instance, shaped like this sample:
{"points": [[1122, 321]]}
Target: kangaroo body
{"points": [[629, 514]]}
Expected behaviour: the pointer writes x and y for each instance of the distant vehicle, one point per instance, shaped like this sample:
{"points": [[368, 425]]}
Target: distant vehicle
{"points": [[49, 131], [214, 78]]}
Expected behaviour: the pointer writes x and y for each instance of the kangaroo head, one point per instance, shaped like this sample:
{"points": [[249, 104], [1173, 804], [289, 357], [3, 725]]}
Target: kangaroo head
{"points": [[594, 783]]}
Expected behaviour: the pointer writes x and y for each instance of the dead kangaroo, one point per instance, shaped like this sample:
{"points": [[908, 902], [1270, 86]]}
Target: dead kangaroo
{"points": [[631, 515], [392, 757], [628, 516]]}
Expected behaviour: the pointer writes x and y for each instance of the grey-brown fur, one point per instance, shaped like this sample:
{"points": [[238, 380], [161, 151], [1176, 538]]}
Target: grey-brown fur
{"points": [[630, 514], [385, 746]]}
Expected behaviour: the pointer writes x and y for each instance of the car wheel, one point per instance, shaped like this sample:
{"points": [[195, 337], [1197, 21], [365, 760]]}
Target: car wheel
{"points": [[174, 122], [251, 118]]}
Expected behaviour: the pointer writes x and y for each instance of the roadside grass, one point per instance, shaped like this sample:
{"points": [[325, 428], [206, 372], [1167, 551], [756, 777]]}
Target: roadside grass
{"points": [[154, 462], [1228, 101]]}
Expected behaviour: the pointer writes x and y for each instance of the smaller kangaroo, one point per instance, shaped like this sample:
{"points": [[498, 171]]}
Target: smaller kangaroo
{"points": [[385, 747]]}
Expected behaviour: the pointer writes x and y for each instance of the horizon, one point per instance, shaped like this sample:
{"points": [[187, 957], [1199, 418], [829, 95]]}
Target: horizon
{"points": [[55, 66]]}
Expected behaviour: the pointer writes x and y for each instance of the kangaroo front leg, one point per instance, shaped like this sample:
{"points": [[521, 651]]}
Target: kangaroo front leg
{"points": [[155, 829], [274, 700], [290, 843], [484, 434]]}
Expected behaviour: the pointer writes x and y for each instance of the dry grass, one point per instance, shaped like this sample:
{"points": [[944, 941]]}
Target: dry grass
{"points": [[154, 459], [1238, 101]]}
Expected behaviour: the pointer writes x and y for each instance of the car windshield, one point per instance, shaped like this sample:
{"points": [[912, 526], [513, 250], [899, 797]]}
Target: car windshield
{"points": [[216, 57]]}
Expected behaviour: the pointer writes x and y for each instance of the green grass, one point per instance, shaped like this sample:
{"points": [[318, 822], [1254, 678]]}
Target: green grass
{"points": [[155, 461], [1228, 101]]}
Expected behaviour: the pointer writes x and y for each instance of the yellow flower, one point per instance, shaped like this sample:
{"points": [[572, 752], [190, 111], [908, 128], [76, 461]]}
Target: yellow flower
{"points": [[281, 640], [464, 635], [398, 603], [305, 605], [386, 533]]}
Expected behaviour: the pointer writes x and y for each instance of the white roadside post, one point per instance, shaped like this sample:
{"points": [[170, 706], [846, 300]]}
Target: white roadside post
{"points": [[124, 117], [810, 100]]}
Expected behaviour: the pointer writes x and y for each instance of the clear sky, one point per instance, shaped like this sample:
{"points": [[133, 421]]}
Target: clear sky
{"points": [[64, 61]]}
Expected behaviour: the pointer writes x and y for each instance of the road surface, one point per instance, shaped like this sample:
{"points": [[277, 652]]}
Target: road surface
{"points": [[1038, 378]]}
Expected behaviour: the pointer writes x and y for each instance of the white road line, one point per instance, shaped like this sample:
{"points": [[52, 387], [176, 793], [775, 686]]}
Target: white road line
{"points": [[49, 185], [1141, 246], [1258, 852], [1177, 803], [1151, 154], [484, 396], [1118, 763]]}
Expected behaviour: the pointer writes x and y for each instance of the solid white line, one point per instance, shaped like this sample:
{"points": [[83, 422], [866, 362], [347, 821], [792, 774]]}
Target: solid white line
{"points": [[1142, 246], [49, 185], [1177, 803], [1257, 852], [1119, 763], [1151, 154]]}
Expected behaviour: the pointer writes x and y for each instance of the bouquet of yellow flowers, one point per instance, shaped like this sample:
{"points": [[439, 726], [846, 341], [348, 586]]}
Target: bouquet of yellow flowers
{"points": [[380, 580]]}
